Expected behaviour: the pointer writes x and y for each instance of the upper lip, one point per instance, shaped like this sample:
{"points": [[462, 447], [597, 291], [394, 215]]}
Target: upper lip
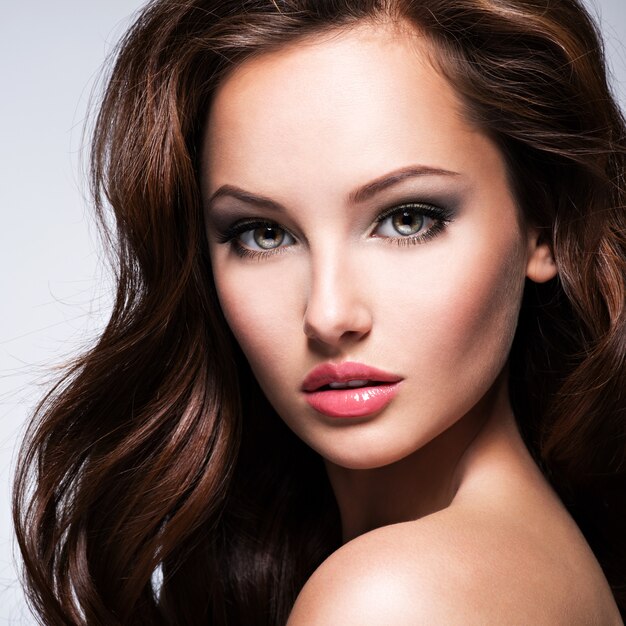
{"points": [[327, 373]]}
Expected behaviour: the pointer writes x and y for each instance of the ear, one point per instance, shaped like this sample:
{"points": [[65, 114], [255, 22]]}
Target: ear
{"points": [[541, 266]]}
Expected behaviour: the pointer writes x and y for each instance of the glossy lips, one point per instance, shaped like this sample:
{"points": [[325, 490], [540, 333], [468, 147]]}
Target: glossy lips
{"points": [[367, 389]]}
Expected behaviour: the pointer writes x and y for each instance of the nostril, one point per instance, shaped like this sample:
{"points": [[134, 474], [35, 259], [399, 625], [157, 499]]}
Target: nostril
{"points": [[337, 308]]}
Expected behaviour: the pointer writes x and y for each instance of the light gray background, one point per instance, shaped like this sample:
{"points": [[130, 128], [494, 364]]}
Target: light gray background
{"points": [[54, 289]]}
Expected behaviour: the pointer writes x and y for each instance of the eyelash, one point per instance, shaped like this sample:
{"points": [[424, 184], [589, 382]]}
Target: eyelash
{"points": [[440, 216]]}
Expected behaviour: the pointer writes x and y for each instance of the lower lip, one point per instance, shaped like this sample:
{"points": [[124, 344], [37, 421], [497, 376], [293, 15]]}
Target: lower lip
{"points": [[352, 402]]}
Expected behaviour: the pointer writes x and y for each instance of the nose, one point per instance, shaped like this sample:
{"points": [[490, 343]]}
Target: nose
{"points": [[336, 308]]}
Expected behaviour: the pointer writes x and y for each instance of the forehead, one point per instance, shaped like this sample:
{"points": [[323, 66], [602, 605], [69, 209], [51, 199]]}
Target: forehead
{"points": [[341, 106]]}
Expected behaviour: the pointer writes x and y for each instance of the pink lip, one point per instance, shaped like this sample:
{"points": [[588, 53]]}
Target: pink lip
{"points": [[356, 402], [327, 373]]}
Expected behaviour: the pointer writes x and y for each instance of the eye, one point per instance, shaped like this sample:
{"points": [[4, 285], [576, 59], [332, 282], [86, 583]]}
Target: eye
{"points": [[404, 222], [409, 223], [256, 237], [265, 237], [414, 222]]}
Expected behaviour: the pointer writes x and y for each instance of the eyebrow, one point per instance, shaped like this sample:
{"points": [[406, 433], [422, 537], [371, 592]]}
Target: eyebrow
{"points": [[357, 196]]}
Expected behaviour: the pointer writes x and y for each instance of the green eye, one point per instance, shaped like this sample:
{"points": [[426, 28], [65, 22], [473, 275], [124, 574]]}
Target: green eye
{"points": [[268, 237], [265, 237], [405, 222], [408, 223]]}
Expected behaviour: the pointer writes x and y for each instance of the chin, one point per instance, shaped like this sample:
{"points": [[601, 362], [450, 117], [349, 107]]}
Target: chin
{"points": [[365, 454]]}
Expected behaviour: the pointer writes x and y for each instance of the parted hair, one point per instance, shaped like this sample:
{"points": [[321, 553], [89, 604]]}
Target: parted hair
{"points": [[149, 490]]}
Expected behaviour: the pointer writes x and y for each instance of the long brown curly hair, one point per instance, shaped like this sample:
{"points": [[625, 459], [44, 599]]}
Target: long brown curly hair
{"points": [[149, 491]]}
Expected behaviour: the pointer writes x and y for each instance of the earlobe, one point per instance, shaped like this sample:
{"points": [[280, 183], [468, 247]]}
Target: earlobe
{"points": [[541, 266]]}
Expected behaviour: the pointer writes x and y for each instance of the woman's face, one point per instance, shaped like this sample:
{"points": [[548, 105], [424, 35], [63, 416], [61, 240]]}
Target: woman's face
{"points": [[355, 216]]}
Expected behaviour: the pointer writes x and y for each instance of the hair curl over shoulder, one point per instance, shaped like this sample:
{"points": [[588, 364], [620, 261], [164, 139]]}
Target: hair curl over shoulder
{"points": [[146, 457]]}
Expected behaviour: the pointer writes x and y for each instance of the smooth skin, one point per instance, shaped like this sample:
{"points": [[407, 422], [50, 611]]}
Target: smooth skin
{"points": [[446, 519]]}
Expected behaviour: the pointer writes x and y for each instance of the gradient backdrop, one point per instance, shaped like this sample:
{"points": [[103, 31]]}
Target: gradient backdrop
{"points": [[54, 286]]}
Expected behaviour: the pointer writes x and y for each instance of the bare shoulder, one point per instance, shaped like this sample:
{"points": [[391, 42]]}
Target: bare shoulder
{"points": [[452, 567]]}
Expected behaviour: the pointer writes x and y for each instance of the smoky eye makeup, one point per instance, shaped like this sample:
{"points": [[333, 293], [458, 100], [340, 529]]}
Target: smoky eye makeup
{"points": [[405, 223], [268, 236], [412, 222]]}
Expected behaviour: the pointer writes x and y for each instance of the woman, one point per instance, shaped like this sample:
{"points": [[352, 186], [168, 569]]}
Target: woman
{"points": [[366, 361]]}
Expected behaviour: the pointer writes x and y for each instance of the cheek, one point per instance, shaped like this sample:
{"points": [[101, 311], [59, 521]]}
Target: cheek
{"points": [[464, 313], [482, 323], [259, 309]]}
